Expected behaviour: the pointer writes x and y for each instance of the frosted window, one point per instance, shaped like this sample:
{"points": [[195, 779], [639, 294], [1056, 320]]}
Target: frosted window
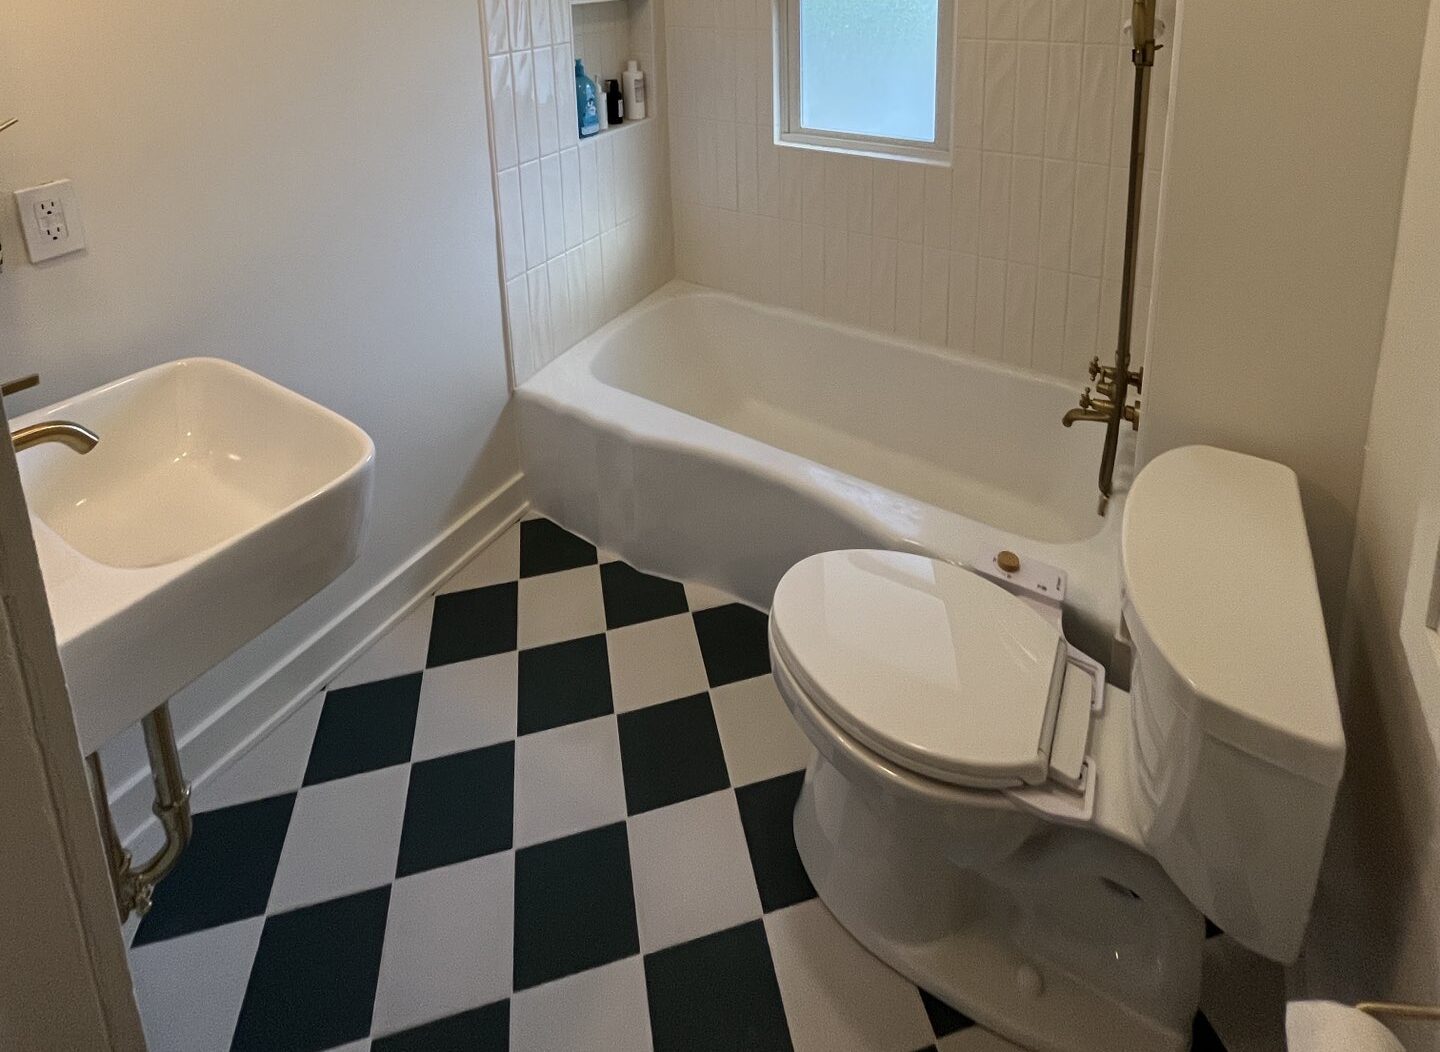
{"points": [[867, 67]]}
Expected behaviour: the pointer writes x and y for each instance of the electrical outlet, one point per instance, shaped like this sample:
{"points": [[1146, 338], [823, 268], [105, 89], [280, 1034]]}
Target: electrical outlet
{"points": [[50, 217]]}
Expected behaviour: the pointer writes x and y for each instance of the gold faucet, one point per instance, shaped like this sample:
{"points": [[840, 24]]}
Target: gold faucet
{"points": [[1102, 410], [76, 436]]}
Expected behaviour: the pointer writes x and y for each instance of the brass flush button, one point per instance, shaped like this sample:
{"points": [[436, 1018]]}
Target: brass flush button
{"points": [[1008, 561]]}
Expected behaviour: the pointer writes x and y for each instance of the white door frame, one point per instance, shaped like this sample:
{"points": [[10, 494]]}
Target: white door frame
{"points": [[64, 978]]}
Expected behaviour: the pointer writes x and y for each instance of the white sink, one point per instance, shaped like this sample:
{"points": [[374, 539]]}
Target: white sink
{"points": [[216, 502]]}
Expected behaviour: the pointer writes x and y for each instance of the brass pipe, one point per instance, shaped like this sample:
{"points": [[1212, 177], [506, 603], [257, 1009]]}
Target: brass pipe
{"points": [[135, 886], [1400, 1010]]}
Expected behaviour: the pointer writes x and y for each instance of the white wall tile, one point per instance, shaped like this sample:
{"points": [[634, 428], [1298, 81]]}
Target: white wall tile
{"points": [[938, 218], [792, 271], [837, 270], [882, 284], [520, 38], [1082, 313], [995, 205], [522, 341], [935, 295], [1056, 214], [861, 210], [574, 204], [1025, 184], [747, 190], [1097, 104], [502, 100], [911, 214], [512, 223], [813, 266], [990, 308], [497, 27], [909, 273], [527, 125], [1000, 57], [726, 184], [767, 173], [561, 326], [885, 198], [1062, 107], [1002, 19], [566, 110], [532, 198], [540, 19], [1048, 349], [965, 202], [547, 108], [1067, 21], [970, 18], [960, 333], [1103, 20], [1032, 76], [1019, 313], [857, 279], [1087, 239], [553, 188], [589, 190], [1034, 20]]}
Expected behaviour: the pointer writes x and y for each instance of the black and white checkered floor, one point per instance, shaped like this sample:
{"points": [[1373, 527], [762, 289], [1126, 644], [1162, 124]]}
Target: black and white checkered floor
{"points": [[549, 810]]}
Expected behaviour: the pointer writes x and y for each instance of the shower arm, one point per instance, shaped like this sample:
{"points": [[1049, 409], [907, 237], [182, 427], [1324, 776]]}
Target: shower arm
{"points": [[1115, 381]]}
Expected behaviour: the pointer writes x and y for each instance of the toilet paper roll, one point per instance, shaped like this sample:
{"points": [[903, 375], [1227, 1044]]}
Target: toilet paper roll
{"points": [[1325, 1026]]}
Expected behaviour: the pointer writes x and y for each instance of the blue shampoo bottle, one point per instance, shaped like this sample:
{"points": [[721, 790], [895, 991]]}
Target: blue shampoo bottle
{"points": [[587, 102]]}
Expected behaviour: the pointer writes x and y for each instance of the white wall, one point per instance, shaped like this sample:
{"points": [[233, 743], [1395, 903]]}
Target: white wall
{"points": [[585, 225], [1013, 253], [1376, 931], [301, 188], [1285, 159]]}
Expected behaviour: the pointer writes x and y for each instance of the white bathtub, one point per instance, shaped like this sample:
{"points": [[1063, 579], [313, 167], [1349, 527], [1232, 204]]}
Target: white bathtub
{"points": [[703, 436]]}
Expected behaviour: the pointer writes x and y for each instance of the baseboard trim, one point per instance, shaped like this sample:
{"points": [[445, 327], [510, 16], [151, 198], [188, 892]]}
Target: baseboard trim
{"points": [[270, 698]]}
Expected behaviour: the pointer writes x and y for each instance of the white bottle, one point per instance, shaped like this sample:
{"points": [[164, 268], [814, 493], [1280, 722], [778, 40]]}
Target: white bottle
{"points": [[633, 82], [603, 99]]}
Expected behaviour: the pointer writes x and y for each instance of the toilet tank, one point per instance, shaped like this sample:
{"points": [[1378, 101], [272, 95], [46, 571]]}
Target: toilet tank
{"points": [[1236, 742]]}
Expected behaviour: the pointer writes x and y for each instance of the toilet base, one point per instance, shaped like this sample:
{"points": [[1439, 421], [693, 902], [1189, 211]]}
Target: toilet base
{"points": [[1061, 940]]}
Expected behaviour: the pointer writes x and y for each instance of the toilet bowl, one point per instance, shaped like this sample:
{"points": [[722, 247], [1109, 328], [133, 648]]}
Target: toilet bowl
{"points": [[1034, 846]]}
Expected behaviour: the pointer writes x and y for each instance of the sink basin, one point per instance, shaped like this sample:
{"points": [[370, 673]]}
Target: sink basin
{"points": [[216, 502]]}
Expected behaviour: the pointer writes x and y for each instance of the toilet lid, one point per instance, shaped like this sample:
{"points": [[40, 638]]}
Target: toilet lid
{"points": [[930, 665]]}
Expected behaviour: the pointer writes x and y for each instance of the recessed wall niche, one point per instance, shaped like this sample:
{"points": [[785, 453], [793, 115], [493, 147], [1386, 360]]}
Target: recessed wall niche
{"points": [[608, 33]]}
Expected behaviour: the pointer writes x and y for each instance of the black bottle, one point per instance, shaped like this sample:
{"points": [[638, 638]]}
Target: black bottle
{"points": [[614, 103]]}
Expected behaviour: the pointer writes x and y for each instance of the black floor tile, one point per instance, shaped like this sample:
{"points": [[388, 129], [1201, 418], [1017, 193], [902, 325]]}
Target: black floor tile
{"points": [[767, 811], [632, 596], [484, 1029], [1203, 1037], [459, 807], [312, 985], [474, 624], [671, 752], [1212, 929], [733, 643], [364, 728], [717, 994], [944, 1020], [224, 874], [546, 547], [574, 905], [564, 683]]}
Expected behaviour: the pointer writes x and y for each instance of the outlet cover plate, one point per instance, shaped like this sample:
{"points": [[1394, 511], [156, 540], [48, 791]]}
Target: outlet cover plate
{"points": [[50, 217]]}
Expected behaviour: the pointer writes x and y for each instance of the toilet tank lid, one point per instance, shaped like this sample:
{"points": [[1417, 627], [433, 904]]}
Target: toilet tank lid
{"points": [[1218, 571]]}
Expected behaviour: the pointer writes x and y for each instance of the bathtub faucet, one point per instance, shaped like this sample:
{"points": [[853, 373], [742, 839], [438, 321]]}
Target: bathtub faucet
{"points": [[1102, 410]]}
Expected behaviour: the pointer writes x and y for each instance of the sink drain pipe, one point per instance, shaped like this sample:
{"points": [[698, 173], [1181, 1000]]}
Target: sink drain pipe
{"points": [[135, 887]]}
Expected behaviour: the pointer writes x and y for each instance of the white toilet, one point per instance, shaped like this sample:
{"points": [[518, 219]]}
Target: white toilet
{"points": [[1037, 848]]}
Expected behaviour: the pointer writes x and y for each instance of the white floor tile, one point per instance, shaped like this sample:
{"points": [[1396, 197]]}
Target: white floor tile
{"points": [[466, 705], [558, 606], [702, 596], [398, 652], [837, 995], [276, 764], [655, 661], [602, 1009], [692, 871], [497, 562], [976, 1039], [190, 989], [448, 942], [344, 837], [760, 737], [567, 780], [362, 1045]]}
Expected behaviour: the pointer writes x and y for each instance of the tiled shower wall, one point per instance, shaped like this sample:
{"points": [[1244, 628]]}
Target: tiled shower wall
{"points": [[1013, 253], [585, 226]]}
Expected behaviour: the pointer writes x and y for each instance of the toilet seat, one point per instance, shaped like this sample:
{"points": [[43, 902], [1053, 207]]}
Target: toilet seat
{"points": [[928, 665]]}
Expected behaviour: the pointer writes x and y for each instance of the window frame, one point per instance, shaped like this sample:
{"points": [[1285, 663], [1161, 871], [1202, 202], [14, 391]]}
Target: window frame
{"points": [[791, 130]]}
